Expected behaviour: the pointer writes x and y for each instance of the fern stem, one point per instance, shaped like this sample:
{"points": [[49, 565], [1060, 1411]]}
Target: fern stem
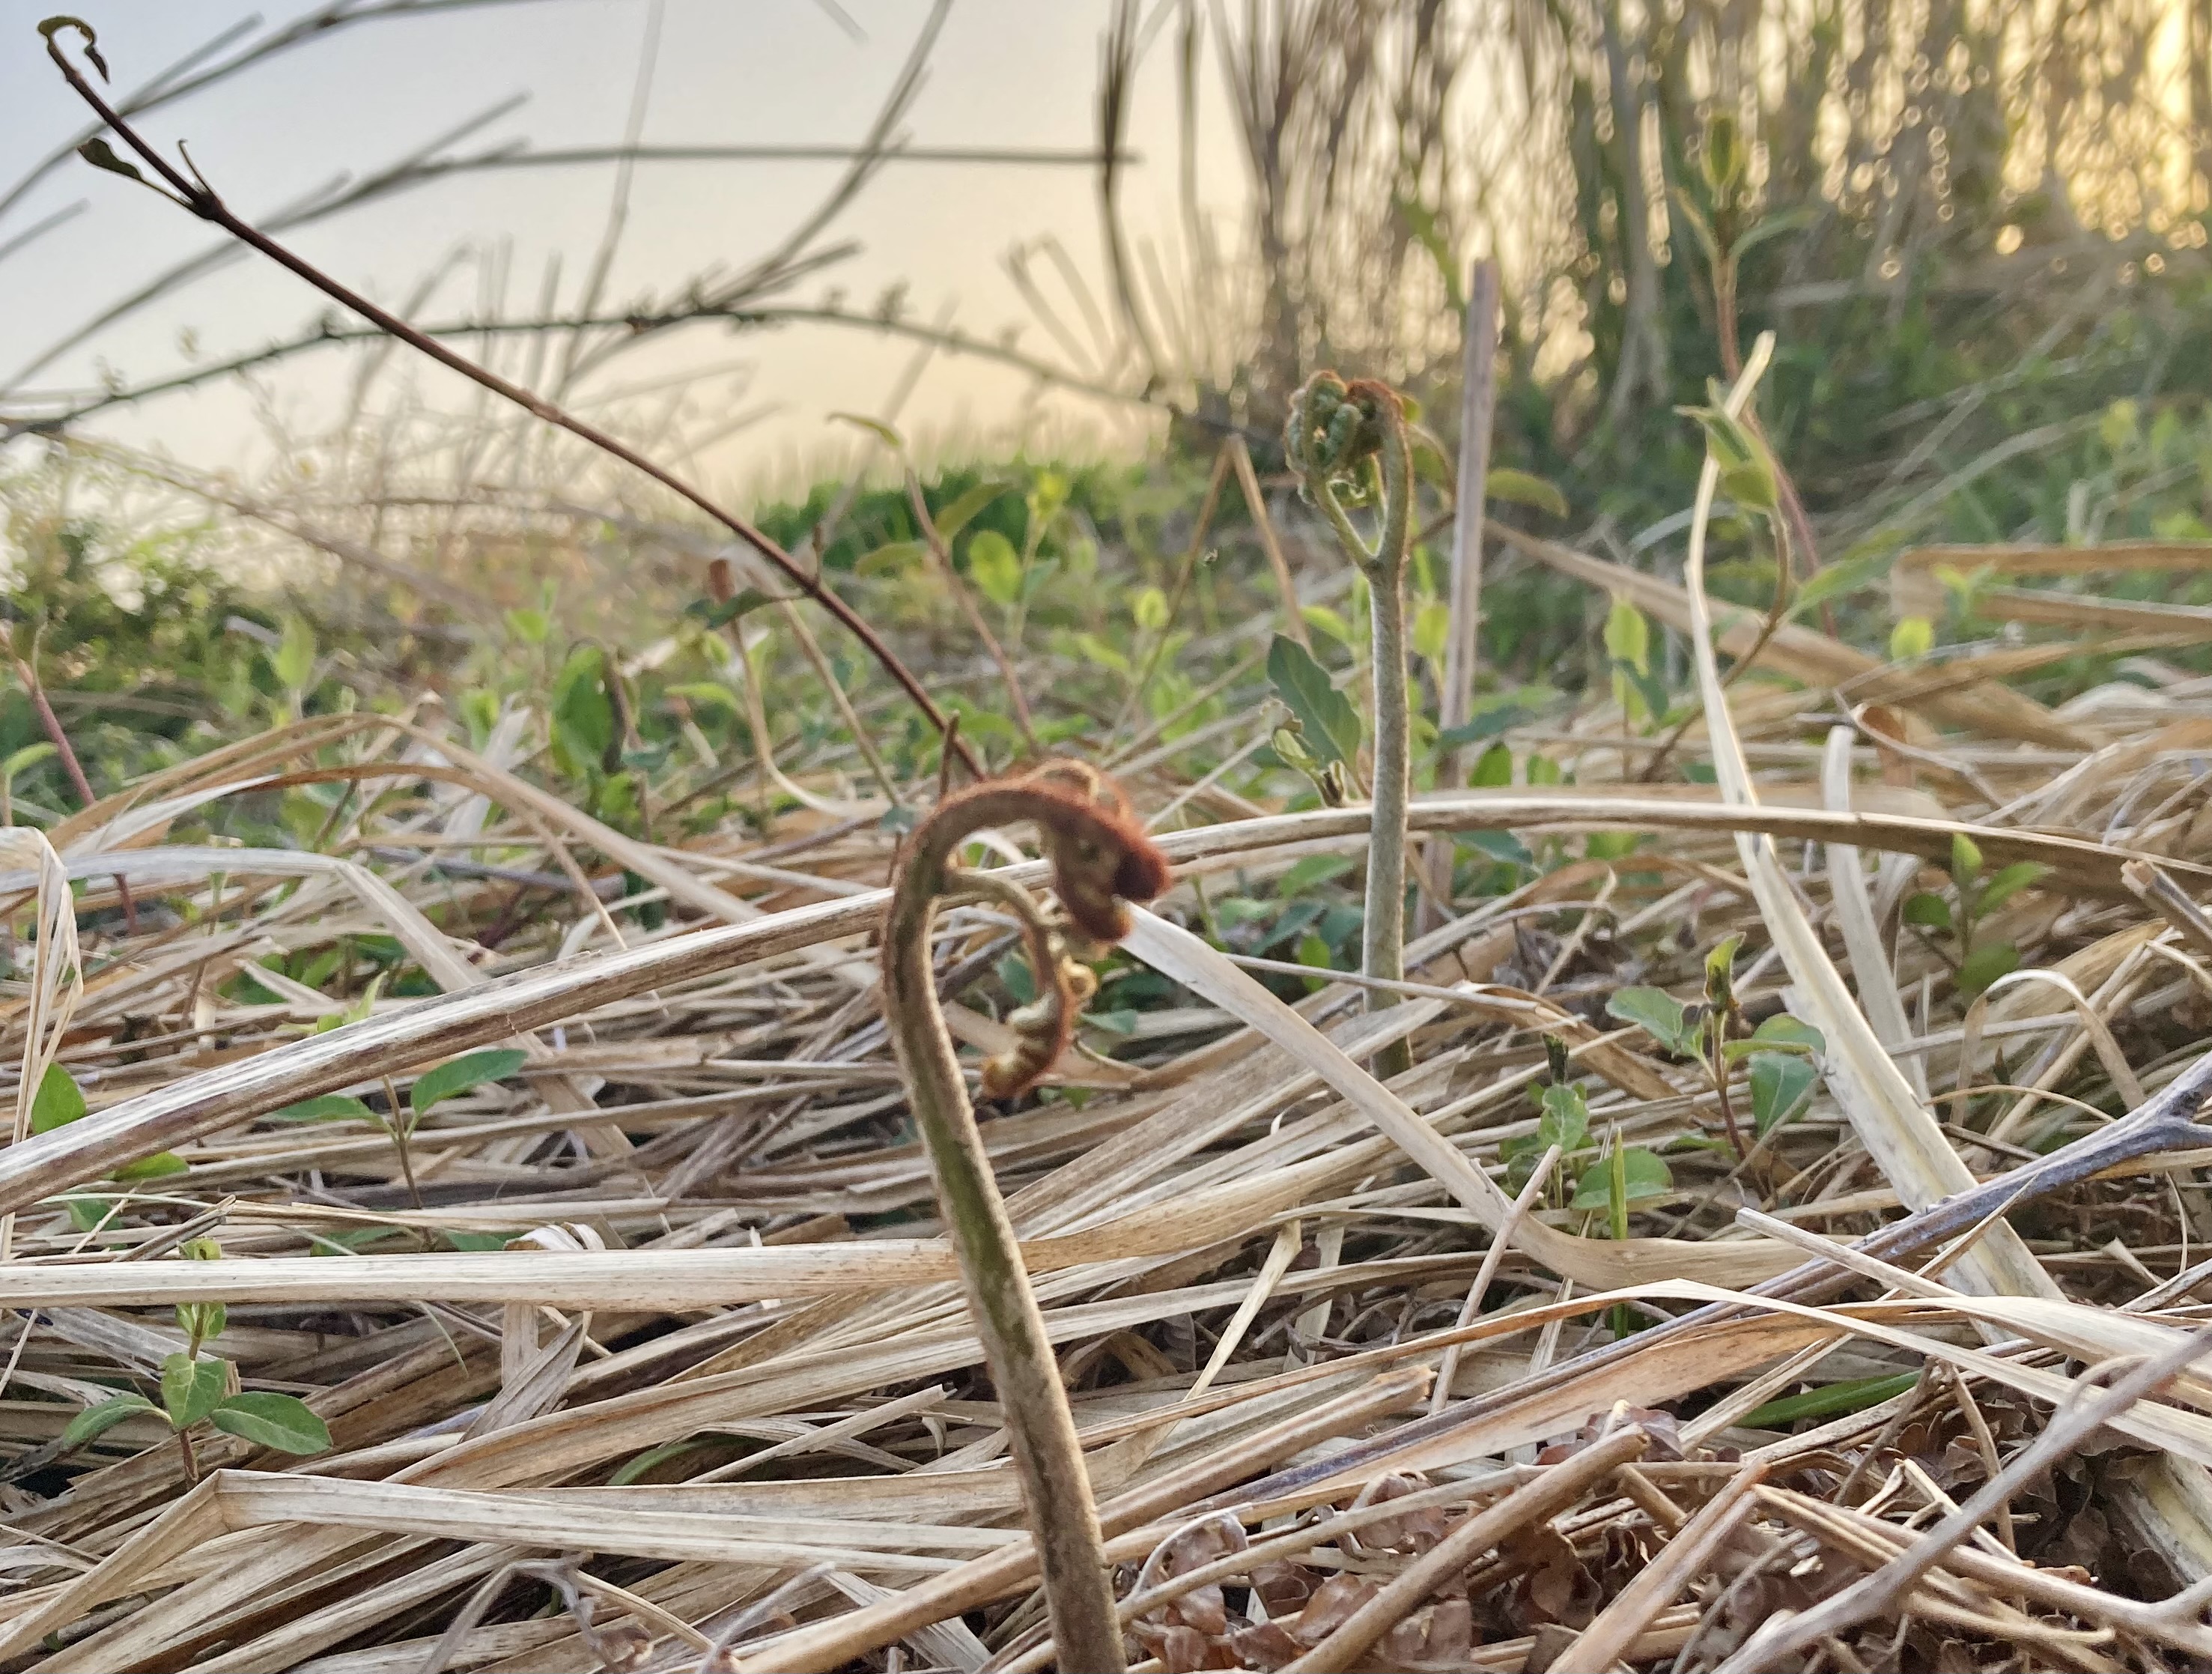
{"points": [[1099, 853]]}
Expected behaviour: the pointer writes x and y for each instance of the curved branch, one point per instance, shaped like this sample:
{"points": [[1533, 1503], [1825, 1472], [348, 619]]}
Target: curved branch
{"points": [[195, 195], [1101, 856]]}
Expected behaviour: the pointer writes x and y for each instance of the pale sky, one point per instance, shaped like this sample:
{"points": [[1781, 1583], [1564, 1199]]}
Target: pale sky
{"points": [[1005, 73]]}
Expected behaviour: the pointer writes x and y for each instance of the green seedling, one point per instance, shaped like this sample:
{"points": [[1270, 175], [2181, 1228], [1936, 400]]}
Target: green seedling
{"points": [[1620, 1175], [197, 1391], [59, 1102], [431, 1088], [1975, 894], [1349, 443], [1782, 1052]]}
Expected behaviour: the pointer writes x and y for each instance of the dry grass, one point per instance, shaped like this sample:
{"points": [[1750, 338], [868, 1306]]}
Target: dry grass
{"points": [[716, 1402]]}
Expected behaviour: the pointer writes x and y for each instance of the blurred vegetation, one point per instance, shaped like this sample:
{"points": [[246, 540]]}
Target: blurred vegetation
{"points": [[1979, 237]]}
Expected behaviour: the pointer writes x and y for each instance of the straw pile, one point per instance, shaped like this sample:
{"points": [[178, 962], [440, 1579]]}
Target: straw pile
{"points": [[648, 1357]]}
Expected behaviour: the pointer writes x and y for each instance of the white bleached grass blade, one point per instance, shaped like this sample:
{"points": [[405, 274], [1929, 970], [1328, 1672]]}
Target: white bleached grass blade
{"points": [[1900, 1134], [1854, 914], [1175, 951]]}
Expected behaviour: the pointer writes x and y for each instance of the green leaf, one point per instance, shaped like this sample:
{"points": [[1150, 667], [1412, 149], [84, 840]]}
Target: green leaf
{"points": [[284, 1422], [1725, 157], [1019, 980], [203, 1322], [1330, 724], [1658, 1013], [1432, 628], [1523, 488], [1565, 1121], [330, 1107], [1912, 639], [634, 1470], [1489, 724], [1599, 846], [1628, 636], [957, 516], [1829, 1400], [457, 1076], [1929, 911], [1779, 1033], [1774, 226], [707, 694], [294, 656], [1313, 870], [24, 760], [2121, 427], [528, 625], [1747, 469], [86, 1214], [1322, 619], [583, 714], [100, 154], [471, 1242], [1492, 769], [1645, 1174], [893, 557], [190, 1388], [57, 1102], [1833, 580], [2008, 882], [1781, 1083], [1719, 964], [1785, 1031], [1500, 846], [875, 427], [1039, 573], [158, 1167], [1150, 609], [720, 612], [103, 1415], [1096, 650], [1966, 859], [1315, 951], [1985, 965], [995, 568]]}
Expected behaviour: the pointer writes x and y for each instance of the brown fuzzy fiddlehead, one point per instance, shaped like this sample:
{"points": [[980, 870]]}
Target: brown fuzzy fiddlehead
{"points": [[1101, 858]]}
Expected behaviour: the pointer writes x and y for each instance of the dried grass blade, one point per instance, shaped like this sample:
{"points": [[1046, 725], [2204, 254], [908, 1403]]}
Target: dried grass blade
{"points": [[1606, 1264], [1905, 1141]]}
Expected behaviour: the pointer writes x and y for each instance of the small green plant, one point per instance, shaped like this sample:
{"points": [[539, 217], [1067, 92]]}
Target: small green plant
{"points": [[59, 1102], [1348, 442], [1782, 1052], [1621, 1174], [197, 1391], [431, 1088], [1978, 961]]}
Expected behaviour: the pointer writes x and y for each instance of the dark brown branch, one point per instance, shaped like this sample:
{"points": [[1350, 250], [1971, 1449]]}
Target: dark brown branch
{"points": [[201, 199]]}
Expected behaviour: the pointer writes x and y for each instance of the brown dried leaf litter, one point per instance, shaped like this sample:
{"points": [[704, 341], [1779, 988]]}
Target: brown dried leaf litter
{"points": [[715, 1401]]}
